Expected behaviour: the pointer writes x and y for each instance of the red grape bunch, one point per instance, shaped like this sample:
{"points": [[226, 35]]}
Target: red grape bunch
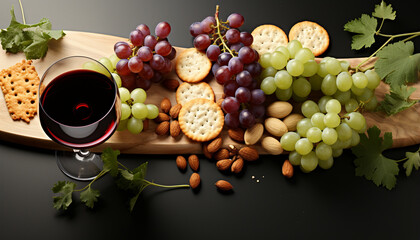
{"points": [[145, 58], [235, 66]]}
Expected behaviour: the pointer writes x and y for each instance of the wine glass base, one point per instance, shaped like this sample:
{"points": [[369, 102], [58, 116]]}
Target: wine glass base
{"points": [[77, 166]]}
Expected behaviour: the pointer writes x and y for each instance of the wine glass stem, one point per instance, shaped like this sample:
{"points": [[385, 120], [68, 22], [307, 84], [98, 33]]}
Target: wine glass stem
{"points": [[83, 155]]}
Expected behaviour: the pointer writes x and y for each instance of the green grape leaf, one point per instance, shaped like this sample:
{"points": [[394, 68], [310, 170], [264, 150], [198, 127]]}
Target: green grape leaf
{"points": [[365, 27], [370, 162], [30, 39], [412, 161], [397, 100], [397, 64], [89, 197], [384, 11], [65, 191], [110, 159]]}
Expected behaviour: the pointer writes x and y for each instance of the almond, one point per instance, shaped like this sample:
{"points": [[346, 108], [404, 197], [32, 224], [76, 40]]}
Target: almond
{"points": [[206, 153], [194, 162], [292, 120], [236, 134], [249, 153], [215, 145], [275, 126], [279, 109], [171, 84], [223, 185], [253, 134], [174, 111], [162, 117], [237, 165], [174, 129], [272, 145], [223, 153], [162, 128], [181, 163], [287, 169], [165, 105], [224, 164], [232, 150], [195, 180]]}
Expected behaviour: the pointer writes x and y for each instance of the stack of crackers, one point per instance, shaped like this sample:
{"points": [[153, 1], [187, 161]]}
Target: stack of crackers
{"points": [[19, 84]]}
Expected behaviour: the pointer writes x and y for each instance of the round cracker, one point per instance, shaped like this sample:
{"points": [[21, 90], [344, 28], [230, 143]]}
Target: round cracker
{"points": [[311, 35], [188, 91], [192, 65], [267, 38], [201, 119]]}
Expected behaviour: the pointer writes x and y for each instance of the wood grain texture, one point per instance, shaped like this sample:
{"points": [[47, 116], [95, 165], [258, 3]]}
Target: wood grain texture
{"points": [[403, 125]]}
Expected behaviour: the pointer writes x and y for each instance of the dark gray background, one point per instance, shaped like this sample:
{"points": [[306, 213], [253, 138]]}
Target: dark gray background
{"points": [[333, 204]]}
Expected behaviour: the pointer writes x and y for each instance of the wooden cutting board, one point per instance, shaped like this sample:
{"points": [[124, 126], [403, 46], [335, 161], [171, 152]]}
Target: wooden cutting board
{"points": [[403, 126]]}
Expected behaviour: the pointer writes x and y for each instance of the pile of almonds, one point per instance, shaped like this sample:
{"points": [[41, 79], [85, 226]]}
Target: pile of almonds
{"points": [[167, 119]]}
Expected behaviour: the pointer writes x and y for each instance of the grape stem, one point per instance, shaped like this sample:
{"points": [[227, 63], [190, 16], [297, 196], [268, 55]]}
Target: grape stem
{"points": [[218, 27], [390, 38]]}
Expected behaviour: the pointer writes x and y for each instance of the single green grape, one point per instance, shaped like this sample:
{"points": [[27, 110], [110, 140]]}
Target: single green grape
{"points": [[295, 67], [285, 94], [304, 55], [303, 146], [124, 94], [134, 125], [152, 111], [288, 141], [326, 164], [373, 79], [278, 60], [138, 95], [344, 81], [355, 138], [323, 151], [122, 125], [344, 65], [310, 68], [355, 120], [314, 134], [301, 87], [328, 86], [351, 105], [322, 70], [139, 110], [315, 82], [371, 104], [360, 80], [322, 102], [268, 72], [317, 120], [294, 158], [332, 120], [309, 162], [283, 50], [344, 131], [117, 79], [114, 60], [366, 95], [293, 46], [107, 63], [303, 125], [283, 79], [309, 108], [333, 106], [268, 85], [329, 136], [265, 60], [333, 66], [125, 111], [337, 152], [95, 67], [342, 97]]}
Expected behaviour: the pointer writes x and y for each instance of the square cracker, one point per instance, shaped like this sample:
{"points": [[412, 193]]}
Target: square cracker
{"points": [[19, 84]]}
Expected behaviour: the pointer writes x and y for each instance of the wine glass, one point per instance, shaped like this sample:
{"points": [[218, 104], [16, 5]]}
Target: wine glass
{"points": [[79, 107]]}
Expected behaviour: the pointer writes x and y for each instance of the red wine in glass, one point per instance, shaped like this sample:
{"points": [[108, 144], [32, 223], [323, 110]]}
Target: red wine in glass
{"points": [[79, 108]]}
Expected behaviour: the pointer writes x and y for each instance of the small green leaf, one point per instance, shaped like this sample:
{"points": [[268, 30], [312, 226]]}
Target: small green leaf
{"points": [[384, 11], [110, 159], [370, 162], [141, 169], [65, 191], [412, 161], [397, 64], [365, 26], [89, 197], [397, 100]]}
